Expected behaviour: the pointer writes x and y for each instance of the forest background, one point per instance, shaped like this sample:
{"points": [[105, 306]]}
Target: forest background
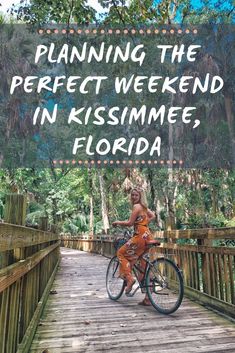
{"points": [[87, 200]]}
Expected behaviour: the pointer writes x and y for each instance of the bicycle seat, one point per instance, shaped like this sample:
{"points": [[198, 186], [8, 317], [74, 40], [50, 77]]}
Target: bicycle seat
{"points": [[152, 242]]}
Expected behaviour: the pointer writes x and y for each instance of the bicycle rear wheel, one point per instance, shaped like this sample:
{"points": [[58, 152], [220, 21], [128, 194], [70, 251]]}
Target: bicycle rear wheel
{"points": [[114, 284], [165, 287]]}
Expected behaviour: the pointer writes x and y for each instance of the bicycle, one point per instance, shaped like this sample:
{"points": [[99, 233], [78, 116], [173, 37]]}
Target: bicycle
{"points": [[162, 280]]}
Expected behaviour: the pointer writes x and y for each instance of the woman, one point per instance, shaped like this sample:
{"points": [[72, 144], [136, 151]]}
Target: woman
{"points": [[129, 253]]}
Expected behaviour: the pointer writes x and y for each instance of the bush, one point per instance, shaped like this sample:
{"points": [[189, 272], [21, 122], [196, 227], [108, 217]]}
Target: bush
{"points": [[230, 223], [32, 219], [207, 221]]}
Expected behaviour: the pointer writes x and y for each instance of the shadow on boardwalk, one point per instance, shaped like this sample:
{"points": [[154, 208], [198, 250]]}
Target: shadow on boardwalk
{"points": [[79, 318]]}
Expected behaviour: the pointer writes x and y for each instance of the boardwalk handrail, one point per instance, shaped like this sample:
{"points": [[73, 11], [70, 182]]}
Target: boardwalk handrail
{"points": [[208, 269], [28, 263]]}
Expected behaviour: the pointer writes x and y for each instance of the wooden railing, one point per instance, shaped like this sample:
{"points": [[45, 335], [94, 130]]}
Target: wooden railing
{"points": [[208, 269], [28, 263], [29, 259]]}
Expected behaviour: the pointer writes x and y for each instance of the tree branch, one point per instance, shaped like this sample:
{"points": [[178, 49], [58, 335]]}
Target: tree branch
{"points": [[118, 12], [70, 13], [231, 11]]}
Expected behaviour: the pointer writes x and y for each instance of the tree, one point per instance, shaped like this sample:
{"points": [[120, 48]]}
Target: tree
{"points": [[59, 11], [104, 210]]}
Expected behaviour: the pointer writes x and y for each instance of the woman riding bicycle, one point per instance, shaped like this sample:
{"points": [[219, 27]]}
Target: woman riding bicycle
{"points": [[130, 252]]}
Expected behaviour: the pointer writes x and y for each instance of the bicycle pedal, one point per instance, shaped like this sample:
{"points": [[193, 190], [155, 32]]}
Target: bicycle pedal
{"points": [[143, 287], [129, 294], [133, 291]]}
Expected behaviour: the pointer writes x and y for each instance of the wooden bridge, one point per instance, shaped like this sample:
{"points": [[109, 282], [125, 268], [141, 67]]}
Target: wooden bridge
{"points": [[78, 316]]}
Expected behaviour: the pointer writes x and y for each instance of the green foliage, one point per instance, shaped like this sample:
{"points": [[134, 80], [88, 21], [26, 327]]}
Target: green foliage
{"points": [[57, 11], [201, 198], [132, 12], [32, 219], [98, 228], [230, 222], [76, 225], [206, 221]]}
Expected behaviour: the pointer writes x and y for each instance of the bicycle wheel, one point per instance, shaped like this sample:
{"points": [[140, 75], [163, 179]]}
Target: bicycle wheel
{"points": [[164, 286], [114, 284]]}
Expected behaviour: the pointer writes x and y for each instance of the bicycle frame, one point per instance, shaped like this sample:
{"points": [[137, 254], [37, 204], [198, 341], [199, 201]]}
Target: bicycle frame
{"points": [[141, 283]]}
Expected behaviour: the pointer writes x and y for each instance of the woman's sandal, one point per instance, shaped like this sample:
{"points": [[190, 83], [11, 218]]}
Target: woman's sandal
{"points": [[129, 286], [145, 303]]}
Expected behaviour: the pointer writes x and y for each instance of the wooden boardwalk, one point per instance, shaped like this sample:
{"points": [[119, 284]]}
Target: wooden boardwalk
{"points": [[80, 318]]}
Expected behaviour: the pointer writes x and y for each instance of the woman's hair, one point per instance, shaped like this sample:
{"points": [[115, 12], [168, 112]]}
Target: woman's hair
{"points": [[143, 199]]}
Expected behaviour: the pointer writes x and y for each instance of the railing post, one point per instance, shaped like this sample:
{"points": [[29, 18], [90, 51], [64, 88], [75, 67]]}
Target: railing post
{"points": [[53, 228], [14, 213], [206, 271], [15, 209], [43, 223], [10, 315]]}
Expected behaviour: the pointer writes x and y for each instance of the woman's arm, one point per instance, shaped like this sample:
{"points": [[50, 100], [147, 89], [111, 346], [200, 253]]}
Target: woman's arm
{"points": [[151, 216], [135, 212]]}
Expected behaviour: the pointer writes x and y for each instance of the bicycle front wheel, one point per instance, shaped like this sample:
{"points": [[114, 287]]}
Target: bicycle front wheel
{"points": [[114, 284], [164, 284]]}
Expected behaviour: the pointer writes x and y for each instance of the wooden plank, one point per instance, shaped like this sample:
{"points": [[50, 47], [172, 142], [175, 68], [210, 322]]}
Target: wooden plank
{"points": [[204, 233], [14, 236], [4, 315], [14, 272], [204, 273], [201, 248], [221, 277], [226, 279], [195, 267], [226, 308], [231, 278], [198, 270], [15, 209], [194, 270], [216, 276], [43, 223], [77, 243], [191, 271], [212, 275], [13, 311], [28, 337], [208, 275]]}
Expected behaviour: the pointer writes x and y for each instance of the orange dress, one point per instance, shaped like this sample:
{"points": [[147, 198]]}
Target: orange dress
{"points": [[129, 253]]}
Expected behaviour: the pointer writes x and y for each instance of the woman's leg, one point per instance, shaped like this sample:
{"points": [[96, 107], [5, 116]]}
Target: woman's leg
{"points": [[124, 261], [128, 255], [142, 266]]}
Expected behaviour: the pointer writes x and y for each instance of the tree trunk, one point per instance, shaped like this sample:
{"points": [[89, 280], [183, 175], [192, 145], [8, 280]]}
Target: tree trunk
{"points": [[152, 190], [170, 221], [91, 218], [158, 210], [171, 195], [103, 203], [54, 210], [230, 119], [214, 201], [200, 206]]}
